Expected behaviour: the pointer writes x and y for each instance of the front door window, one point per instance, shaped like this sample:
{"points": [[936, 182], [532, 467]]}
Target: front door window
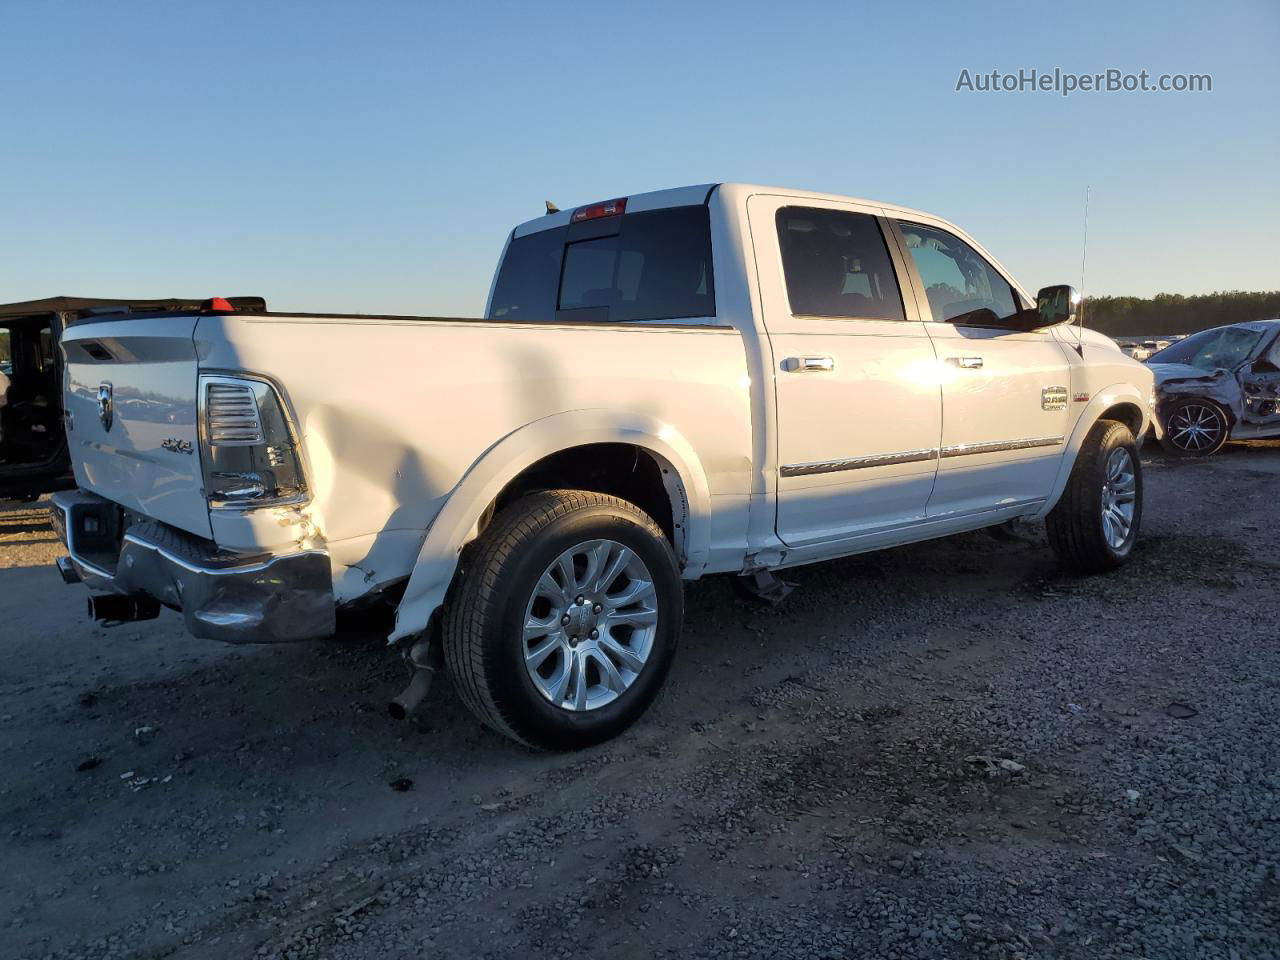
{"points": [[961, 286]]}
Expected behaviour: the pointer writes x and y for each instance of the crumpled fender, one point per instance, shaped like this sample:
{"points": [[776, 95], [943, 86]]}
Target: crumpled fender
{"points": [[1102, 401], [1220, 386], [456, 522]]}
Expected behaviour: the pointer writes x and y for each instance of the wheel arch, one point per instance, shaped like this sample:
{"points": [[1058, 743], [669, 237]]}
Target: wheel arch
{"points": [[529, 459], [1122, 402]]}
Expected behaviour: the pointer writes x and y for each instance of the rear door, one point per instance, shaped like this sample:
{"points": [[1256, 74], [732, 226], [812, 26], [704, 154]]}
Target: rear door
{"points": [[131, 416], [858, 406], [1005, 394]]}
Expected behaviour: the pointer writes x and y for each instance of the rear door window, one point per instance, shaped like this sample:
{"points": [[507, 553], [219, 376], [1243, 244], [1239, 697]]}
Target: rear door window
{"points": [[654, 265], [836, 264]]}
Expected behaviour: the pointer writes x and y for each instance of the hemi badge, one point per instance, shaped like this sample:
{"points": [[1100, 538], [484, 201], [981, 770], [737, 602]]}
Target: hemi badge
{"points": [[1081, 398]]}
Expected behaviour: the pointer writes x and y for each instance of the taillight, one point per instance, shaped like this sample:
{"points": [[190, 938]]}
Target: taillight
{"points": [[248, 450], [594, 211]]}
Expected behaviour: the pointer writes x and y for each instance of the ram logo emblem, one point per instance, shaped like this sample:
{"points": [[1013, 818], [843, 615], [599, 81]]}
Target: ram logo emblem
{"points": [[1053, 398], [174, 445]]}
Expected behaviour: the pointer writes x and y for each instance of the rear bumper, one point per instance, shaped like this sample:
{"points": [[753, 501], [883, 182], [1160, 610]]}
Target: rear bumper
{"points": [[235, 598]]}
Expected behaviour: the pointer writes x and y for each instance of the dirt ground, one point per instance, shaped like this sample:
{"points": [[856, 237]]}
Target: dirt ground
{"points": [[811, 784]]}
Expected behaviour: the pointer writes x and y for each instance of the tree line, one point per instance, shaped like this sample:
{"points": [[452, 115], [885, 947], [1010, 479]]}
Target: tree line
{"points": [[1174, 313]]}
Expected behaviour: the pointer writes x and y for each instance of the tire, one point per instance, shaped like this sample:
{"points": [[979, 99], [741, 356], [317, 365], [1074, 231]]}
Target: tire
{"points": [[1085, 527], [1194, 427], [513, 576]]}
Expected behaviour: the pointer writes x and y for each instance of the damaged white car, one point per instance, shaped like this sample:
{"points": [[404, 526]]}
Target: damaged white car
{"points": [[1218, 385]]}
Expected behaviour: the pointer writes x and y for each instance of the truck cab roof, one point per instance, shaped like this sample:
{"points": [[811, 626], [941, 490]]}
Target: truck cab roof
{"points": [[701, 193]]}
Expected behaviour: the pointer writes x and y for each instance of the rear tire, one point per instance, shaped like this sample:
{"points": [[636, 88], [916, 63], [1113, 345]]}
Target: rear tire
{"points": [[1194, 427], [1095, 524], [565, 618]]}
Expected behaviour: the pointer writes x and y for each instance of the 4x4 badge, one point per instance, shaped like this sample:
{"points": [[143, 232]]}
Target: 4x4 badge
{"points": [[106, 409]]}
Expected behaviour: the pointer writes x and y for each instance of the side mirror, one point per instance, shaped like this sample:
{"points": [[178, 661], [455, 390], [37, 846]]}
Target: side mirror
{"points": [[1058, 304]]}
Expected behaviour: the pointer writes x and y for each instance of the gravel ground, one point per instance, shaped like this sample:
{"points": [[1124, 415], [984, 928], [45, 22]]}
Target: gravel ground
{"points": [[946, 750]]}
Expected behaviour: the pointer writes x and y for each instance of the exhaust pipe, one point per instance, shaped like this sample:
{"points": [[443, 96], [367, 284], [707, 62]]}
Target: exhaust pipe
{"points": [[112, 608], [426, 658]]}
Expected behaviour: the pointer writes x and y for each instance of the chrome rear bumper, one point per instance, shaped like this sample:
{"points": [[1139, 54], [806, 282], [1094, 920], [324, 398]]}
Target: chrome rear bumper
{"points": [[225, 596]]}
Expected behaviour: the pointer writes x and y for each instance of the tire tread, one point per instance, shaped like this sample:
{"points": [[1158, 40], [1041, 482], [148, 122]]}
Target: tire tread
{"points": [[1072, 527]]}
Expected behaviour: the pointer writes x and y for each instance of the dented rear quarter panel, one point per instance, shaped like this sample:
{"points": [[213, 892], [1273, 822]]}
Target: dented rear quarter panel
{"points": [[393, 415]]}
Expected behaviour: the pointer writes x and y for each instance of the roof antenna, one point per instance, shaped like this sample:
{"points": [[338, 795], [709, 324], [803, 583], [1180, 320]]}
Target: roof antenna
{"points": [[1084, 260], [552, 208]]}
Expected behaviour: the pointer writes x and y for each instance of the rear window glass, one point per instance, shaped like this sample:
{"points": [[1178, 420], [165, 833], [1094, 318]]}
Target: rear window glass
{"points": [[526, 287], [655, 266], [837, 265]]}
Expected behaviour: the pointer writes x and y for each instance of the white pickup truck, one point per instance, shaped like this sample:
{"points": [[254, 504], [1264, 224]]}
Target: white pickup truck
{"points": [[711, 379]]}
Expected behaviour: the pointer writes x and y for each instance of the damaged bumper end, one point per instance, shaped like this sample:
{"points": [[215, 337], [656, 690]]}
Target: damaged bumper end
{"points": [[268, 598]]}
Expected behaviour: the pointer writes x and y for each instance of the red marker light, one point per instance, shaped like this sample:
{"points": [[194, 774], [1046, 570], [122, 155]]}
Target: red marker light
{"points": [[609, 208], [219, 305]]}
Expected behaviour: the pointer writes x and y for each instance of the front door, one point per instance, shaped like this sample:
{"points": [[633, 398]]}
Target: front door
{"points": [[858, 409], [1006, 395]]}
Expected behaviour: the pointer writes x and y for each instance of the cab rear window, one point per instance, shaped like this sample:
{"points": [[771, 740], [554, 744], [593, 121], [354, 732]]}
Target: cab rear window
{"points": [[654, 265]]}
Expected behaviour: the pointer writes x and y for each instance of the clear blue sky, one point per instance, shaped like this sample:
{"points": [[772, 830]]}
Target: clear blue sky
{"points": [[372, 156]]}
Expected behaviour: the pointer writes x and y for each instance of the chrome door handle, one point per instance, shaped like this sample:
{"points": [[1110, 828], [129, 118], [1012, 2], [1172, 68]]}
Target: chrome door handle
{"points": [[808, 364], [966, 363]]}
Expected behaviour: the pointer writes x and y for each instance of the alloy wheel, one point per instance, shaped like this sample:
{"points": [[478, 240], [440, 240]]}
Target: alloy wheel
{"points": [[1195, 427], [1119, 498], [589, 625]]}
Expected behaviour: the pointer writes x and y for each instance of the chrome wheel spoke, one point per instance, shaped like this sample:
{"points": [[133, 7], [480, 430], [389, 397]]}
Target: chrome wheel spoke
{"points": [[535, 627], [597, 556], [555, 689], [644, 617], [633, 593], [568, 578], [579, 682], [536, 655], [608, 672], [613, 570], [621, 653], [548, 589]]}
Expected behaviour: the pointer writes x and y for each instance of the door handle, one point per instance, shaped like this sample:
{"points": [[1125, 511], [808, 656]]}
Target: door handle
{"points": [[808, 364], [966, 363]]}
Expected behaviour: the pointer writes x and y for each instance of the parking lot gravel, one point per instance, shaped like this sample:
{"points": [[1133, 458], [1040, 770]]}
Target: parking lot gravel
{"points": [[948, 750]]}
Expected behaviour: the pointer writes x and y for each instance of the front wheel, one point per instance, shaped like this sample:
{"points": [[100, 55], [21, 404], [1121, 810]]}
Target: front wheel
{"points": [[1095, 524], [1194, 428], [565, 620]]}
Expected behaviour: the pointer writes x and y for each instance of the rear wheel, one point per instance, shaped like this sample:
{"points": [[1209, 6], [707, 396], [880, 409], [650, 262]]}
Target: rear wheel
{"points": [[565, 620], [1095, 524], [1194, 428]]}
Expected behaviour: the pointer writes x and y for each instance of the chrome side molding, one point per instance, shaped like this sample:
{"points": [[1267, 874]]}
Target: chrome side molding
{"points": [[858, 463], [997, 446], [916, 456]]}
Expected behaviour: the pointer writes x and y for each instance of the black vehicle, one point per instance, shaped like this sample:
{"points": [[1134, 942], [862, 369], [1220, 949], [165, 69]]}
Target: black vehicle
{"points": [[33, 443]]}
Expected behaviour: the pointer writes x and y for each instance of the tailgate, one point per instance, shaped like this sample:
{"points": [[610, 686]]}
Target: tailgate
{"points": [[131, 416]]}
